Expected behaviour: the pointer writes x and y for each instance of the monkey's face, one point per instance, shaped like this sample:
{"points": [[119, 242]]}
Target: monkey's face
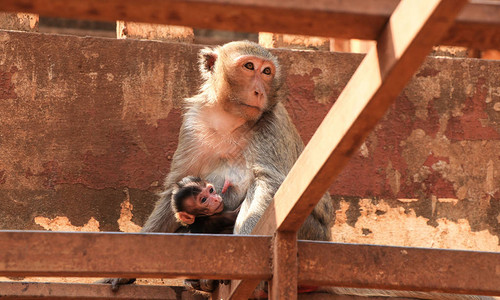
{"points": [[209, 201], [250, 79], [206, 203], [193, 198]]}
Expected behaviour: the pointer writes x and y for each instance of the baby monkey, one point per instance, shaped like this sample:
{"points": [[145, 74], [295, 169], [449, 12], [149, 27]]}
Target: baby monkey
{"points": [[198, 206]]}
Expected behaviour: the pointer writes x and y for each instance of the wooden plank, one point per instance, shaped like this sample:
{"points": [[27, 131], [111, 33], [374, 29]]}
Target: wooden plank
{"points": [[412, 30], [53, 290], [32, 253], [285, 266], [399, 268], [477, 26]]}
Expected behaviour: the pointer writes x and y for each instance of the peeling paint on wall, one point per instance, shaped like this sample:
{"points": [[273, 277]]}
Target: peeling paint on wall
{"points": [[64, 224], [125, 221], [381, 224]]}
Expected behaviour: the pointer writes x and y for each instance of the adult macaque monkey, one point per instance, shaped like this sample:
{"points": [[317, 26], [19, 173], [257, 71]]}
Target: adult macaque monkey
{"points": [[237, 129]]}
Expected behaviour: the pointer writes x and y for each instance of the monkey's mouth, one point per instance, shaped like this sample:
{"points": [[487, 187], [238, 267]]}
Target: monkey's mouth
{"points": [[251, 106], [219, 208]]}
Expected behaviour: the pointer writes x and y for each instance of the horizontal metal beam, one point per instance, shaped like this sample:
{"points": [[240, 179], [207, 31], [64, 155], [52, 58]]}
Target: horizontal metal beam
{"points": [[53, 290], [32, 253], [399, 268], [477, 26]]}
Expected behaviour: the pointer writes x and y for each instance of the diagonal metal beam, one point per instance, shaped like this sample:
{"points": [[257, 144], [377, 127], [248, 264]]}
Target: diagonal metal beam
{"points": [[412, 30], [414, 27]]}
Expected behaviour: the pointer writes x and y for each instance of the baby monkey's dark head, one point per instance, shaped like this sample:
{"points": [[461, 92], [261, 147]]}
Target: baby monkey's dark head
{"points": [[193, 197]]}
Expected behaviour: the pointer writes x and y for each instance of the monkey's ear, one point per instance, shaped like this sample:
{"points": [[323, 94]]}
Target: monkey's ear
{"points": [[207, 60], [185, 218]]}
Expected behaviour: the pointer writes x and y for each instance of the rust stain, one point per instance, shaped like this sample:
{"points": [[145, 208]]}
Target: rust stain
{"points": [[384, 163], [400, 227], [452, 169], [393, 178], [303, 104], [51, 172], [139, 163], [144, 96], [469, 126], [3, 177], [7, 87], [428, 72]]}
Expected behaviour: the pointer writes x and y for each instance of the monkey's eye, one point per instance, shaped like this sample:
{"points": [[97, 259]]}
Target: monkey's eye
{"points": [[203, 200], [249, 65], [211, 190], [267, 71]]}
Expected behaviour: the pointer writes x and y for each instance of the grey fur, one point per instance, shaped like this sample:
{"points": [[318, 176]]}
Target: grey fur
{"points": [[261, 162]]}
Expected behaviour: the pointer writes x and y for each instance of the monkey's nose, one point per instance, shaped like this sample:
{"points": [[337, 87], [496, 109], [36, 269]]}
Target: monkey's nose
{"points": [[256, 93]]}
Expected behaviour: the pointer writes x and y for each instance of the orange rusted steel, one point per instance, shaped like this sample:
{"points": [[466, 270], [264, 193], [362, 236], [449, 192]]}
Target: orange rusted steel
{"points": [[399, 268], [54, 290]]}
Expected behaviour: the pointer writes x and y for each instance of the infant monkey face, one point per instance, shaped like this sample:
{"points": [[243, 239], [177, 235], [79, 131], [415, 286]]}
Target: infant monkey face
{"points": [[208, 202]]}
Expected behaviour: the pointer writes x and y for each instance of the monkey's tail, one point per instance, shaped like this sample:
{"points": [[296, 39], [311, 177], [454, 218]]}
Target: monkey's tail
{"points": [[405, 294]]}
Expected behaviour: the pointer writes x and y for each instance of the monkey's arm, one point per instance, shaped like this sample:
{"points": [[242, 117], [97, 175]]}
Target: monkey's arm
{"points": [[162, 219], [257, 200], [280, 145]]}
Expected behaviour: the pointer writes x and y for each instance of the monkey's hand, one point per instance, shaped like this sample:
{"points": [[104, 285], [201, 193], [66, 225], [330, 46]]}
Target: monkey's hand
{"points": [[116, 282]]}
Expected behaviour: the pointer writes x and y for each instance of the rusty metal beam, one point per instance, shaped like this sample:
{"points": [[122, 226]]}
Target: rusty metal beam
{"points": [[477, 26], [53, 290], [399, 268], [32, 253], [285, 265]]}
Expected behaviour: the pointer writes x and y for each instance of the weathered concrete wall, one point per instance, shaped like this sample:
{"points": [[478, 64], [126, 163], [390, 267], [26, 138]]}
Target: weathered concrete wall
{"points": [[88, 127]]}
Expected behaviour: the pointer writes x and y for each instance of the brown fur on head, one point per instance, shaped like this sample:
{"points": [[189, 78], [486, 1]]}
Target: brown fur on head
{"points": [[188, 186], [227, 83], [193, 197]]}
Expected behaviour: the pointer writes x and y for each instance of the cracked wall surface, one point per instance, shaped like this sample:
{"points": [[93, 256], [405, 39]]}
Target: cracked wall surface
{"points": [[89, 126]]}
